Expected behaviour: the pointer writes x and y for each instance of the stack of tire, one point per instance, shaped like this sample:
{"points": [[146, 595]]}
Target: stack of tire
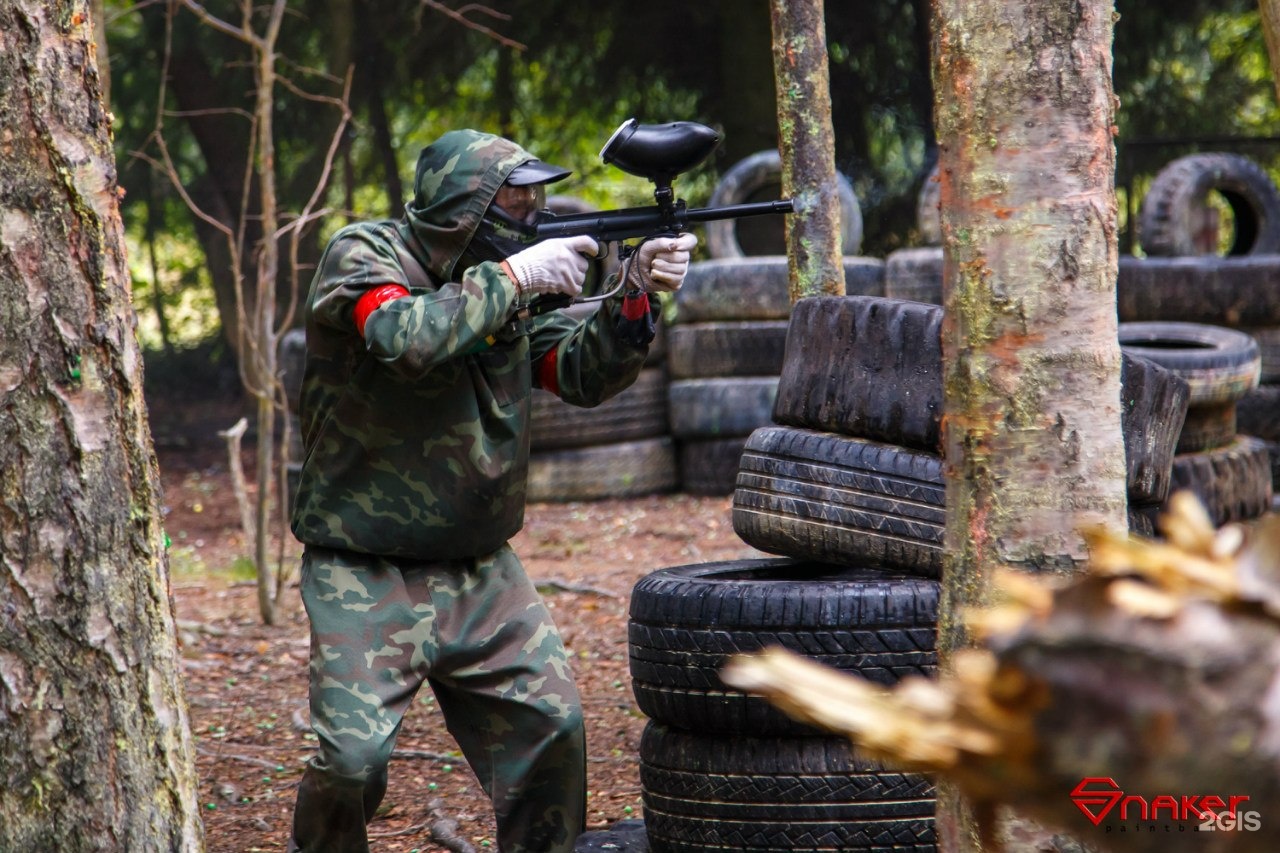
{"points": [[619, 449], [1229, 473], [853, 469], [725, 355], [725, 349], [1182, 281], [722, 770]]}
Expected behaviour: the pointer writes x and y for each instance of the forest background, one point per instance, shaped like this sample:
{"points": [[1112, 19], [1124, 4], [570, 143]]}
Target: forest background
{"points": [[1189, 75], [558, 77]]}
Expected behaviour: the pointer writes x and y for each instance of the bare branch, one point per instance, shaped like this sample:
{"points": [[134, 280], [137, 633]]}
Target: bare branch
{"points": [[234, 111], [244, 34], [460, 16]]}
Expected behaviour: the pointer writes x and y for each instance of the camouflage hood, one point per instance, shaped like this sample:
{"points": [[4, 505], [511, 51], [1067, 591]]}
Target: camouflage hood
{"points": [[458, 175]]}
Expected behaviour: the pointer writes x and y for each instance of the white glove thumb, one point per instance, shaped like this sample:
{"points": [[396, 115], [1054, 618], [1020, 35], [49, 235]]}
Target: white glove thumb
{"points": [[553, 266], [660, 264]]}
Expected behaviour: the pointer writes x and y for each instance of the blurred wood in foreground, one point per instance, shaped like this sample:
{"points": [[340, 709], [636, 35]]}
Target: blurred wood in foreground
{"points": [[1136, 708]]}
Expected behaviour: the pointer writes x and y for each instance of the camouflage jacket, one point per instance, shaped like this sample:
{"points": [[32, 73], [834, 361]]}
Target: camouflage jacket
{"points": [[416, 436]]}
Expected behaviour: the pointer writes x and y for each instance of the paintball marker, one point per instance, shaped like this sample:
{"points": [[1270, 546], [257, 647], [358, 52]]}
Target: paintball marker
{"points": [[657, 152]]}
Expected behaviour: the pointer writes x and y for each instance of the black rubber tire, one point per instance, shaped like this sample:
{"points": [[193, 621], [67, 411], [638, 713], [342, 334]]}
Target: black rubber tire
{"points": [[1233, 482], [1268, 338], [637, 412], [838, 499], [1258, 413], [1220, 365], [757, 288], [741, 348], [914, 274], [623, 470], [1232, 292], [759, 178], [872, 367], [1153, 413], [749, 793], [1208, 426], [1166, 217], [292, 360], [721, 407], [686, 621], [865, 366], [710, 467]]}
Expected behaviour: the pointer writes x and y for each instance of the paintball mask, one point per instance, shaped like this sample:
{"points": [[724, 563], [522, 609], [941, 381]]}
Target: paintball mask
{"points": [[508, 224]]}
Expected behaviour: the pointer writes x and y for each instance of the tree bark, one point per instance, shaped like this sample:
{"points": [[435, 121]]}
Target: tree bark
{"points": [[807, 144], [1270, 10], [95, 747], [1024, 112]]}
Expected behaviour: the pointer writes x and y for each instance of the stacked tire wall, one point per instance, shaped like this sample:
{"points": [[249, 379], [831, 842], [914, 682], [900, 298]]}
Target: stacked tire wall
{"points": [[619, 449], [1184, 280], [1195, 276], [725, 354], [722, 770]]}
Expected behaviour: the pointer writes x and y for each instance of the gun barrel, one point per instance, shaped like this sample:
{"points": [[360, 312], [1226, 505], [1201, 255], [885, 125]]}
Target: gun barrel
{"points": [[736, 211], [610, 225]]}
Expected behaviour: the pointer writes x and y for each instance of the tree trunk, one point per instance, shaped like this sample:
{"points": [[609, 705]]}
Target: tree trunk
{"points": [[807, 145], [95, 747], [1270, 10], [1024, 113]]}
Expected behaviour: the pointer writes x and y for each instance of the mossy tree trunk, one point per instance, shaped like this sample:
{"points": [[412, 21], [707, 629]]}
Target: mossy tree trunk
{"points": [[1270, 10], [1024, 113], [95, 748], [807, 144]]}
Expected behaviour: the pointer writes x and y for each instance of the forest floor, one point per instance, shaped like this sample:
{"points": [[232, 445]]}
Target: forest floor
{"points": [[246, 682]]}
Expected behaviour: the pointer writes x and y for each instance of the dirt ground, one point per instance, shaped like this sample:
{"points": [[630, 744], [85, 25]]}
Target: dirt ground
{"points": [[246, 682]]}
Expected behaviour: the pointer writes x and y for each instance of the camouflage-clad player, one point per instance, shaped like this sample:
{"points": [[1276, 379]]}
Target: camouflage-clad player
{"points": [[415, 408]]}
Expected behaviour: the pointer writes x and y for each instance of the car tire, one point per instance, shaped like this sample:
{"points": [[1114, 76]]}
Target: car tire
{"points": [[720, 407], [621, 470], [1166, 217], [759, 178], [741, 348], [839, 499], [1233, 482], [707, 793], [637, 412], [687, 621], [758, 288]]}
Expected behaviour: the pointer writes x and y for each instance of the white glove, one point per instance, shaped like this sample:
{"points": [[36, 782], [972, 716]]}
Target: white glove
{"points": [[660, 264], [553, 266]]}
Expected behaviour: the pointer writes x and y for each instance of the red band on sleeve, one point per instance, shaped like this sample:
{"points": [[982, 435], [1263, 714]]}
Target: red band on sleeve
{"points": [[545, 373], [371, 300], [635, 306]]}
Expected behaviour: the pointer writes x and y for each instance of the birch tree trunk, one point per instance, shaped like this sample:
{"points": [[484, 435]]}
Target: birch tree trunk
{"points": [[1270, 11], [95, 748], [1024, 113], [807, 145]]}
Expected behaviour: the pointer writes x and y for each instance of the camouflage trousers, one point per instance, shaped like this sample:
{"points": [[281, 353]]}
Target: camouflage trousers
{"points": [[479, 634]]}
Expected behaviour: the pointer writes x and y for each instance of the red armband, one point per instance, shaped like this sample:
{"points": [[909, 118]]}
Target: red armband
{"points": [[544, 373], [373, 299]]}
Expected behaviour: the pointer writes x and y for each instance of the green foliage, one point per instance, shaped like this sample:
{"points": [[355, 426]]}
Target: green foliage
{"points": [[1182, 68], [180, 274]]}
